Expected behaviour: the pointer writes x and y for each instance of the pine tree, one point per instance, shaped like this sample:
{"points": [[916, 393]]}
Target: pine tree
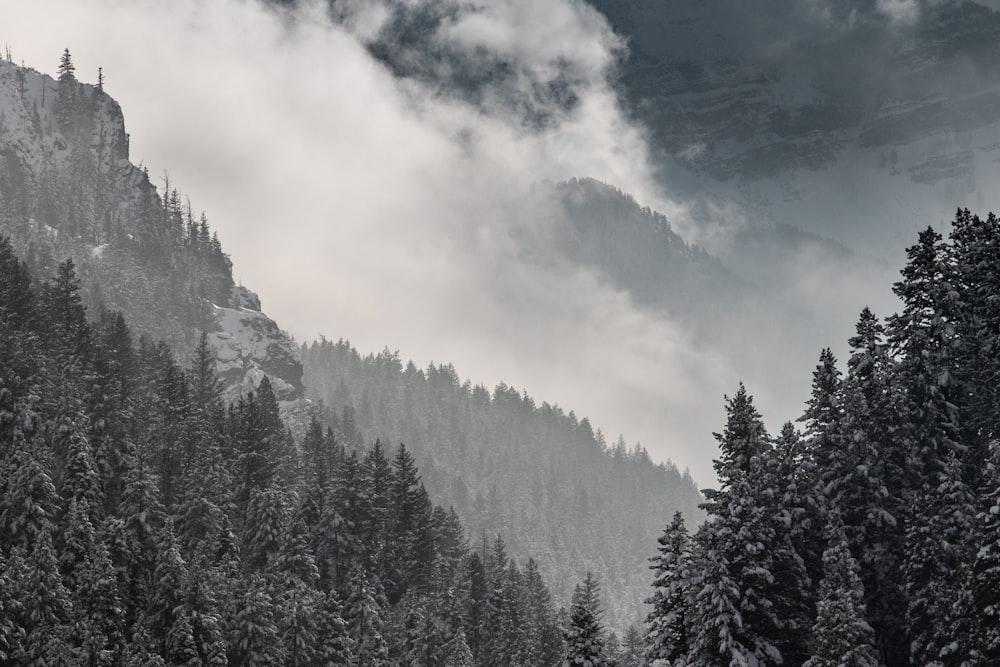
{"points": [[985, 584], [166, 604], [267, 516], [30, 499], [257, 428], [334, 646], [345, 524], [937, 571], [588, 594], [667, 622], [65, 102], [583, 641], [459, 654], [253, 637], [841, 634], [12, 634], [476, 631], [633, 652], [99, 613], [46, 608], [365, 624], [716, 618], [544, 641], [143, 518], [751, 552], [17, 300]]}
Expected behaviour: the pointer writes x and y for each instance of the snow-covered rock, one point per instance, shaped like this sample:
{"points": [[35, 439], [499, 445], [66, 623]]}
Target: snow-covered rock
{"points": [[249, 345]]}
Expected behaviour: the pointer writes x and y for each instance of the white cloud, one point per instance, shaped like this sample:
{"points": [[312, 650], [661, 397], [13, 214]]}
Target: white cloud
{"points": [[364, 207], [369, 209]]}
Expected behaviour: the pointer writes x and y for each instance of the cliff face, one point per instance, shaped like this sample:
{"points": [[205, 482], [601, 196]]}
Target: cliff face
{"points": [[68, 189]]}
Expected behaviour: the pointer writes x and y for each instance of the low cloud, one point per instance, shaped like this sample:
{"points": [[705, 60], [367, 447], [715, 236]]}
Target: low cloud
{"points": [[365, 206]]}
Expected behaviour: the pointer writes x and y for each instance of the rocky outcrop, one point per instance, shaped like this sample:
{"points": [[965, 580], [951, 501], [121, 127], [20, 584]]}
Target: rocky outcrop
{"points": [[249, 345]]}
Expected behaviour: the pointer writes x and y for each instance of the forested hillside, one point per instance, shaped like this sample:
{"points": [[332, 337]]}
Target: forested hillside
{"points": [[542, 478], [871, 538], [144, 522], [184, 456]]}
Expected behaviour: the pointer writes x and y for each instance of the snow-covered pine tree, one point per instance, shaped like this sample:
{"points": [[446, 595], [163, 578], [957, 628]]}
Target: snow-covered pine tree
{"points": [[254, 639], [365, 624], [584, 647], [841, 635], [939, 556], [985, 583], [667, 621], [745, 535], [12, 634], [267, 517]]}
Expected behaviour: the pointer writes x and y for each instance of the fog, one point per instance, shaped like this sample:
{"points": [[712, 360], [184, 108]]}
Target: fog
{"points": [[370, 208]]}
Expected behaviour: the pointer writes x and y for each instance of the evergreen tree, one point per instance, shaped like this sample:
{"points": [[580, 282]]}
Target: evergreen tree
{"points": [[365, 623], [30, 499], [938, 558], [841, 634], [667, 622], [583, 641], [12, 634], [46, 609], [747, 537], [267, 516], [253, 637], [588, 594], [633, 652], [985, 583]]}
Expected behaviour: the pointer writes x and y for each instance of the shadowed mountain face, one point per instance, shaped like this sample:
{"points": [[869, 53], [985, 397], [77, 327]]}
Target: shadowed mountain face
{"points": [[861, 121], [843, 118], [751, 89]]}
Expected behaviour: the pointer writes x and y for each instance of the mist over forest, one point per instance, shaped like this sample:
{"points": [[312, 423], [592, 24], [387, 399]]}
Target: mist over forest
{"points": [[499, 332]]}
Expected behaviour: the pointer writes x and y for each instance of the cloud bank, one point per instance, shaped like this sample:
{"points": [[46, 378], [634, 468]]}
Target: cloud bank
{"points": [[372, 207]]}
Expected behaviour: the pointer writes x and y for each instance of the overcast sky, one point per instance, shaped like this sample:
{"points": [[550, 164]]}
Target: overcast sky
{"points": [[364, 208]]}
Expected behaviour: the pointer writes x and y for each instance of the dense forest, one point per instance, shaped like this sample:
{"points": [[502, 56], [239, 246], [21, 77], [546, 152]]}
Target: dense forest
{"points": [[143, 521], [149, 515], [871, 538], [546, 480]]}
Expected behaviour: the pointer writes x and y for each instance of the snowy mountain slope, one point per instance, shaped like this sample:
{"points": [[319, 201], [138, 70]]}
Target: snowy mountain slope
{"points": [[148, 255], [68, 189]]}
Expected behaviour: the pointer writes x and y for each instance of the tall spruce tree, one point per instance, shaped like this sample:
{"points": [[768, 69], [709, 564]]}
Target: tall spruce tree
{"points": [[667, 621], [841, 636], [584, 646]]}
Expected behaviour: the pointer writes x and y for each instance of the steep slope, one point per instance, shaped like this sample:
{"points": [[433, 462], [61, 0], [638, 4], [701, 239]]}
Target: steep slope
{"points": [[67, 189]]}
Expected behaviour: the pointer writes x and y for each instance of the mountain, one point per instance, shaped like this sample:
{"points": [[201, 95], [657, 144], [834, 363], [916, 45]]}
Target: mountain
{"points": [[859, 119], [545, 480], [67, 189], [155, 507]]}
